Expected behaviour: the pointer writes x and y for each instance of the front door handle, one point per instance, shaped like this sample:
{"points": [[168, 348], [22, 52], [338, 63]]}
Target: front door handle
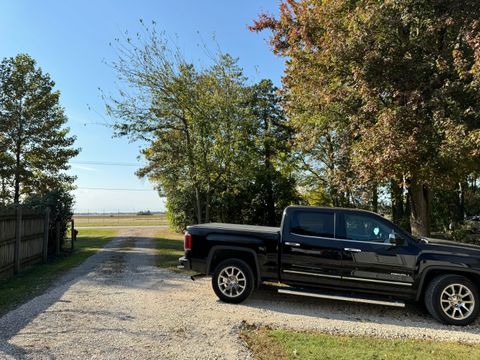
{"points": [[292, 243], [352, 250]]}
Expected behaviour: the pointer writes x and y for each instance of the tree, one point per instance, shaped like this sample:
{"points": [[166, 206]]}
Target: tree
{"points": [[273, 187], [34, 144], [215, 146], [193, 120], [402, 80]]}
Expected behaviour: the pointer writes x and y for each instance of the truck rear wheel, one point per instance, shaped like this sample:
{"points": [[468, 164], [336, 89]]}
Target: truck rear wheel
{"points": [[233, 281], [452, 300]]}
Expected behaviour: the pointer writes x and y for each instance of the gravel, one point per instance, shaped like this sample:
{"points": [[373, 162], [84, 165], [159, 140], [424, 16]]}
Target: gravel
{"points": [[117, 304]]}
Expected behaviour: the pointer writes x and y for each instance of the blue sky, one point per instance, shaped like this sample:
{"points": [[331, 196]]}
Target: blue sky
{"points": [[70, 40]]}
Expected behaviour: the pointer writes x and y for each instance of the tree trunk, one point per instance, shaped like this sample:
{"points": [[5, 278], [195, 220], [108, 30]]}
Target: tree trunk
{"points": [[375, 198], [406, 215], [269, 170], [207, 206], [462, 188], [269, 200], [18, 151], [16, 197], [199, 206], [420, 202], [398, 211]]}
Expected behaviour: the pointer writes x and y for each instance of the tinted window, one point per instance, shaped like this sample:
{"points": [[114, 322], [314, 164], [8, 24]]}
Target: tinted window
{"points": [[366, 228], [314, 223]]}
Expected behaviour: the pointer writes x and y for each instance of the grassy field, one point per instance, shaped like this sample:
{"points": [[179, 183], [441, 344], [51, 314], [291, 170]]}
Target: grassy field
{"points": [[285, 344], [119, 220], [34, 281], [170, 247]]}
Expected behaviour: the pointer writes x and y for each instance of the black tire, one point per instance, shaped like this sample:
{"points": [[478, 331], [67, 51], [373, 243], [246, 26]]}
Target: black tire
{"points": [[245, 279], [447, 314]]}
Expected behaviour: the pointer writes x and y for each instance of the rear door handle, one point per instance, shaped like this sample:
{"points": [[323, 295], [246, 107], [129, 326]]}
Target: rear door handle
{"points": [[352, 250], [292, 244]]}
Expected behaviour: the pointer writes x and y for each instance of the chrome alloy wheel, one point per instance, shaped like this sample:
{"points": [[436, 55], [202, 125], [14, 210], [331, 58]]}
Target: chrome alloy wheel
{"points": [[232, 281], [457, 301]]}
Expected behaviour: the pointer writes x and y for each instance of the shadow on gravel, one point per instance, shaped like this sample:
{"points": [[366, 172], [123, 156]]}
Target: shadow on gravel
{"points": [[413, 315], [102, 267], [13, 322]]}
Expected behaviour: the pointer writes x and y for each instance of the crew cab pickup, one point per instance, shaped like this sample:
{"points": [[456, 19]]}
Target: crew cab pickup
{"points": [[342, 254]]}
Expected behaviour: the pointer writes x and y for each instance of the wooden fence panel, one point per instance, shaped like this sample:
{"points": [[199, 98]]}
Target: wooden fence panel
{"points": [[7, 242], [31, 243]]}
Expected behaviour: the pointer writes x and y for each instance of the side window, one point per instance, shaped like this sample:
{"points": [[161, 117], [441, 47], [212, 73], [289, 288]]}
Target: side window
{"points": [[366, 228], [313, 223]]}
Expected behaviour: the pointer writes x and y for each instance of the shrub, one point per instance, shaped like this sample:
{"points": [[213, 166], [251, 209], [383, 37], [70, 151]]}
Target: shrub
{"points": [[60, 202]]}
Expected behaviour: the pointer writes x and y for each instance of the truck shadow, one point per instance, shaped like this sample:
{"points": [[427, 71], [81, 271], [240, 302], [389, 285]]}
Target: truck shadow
{"points": [[413, 315]]}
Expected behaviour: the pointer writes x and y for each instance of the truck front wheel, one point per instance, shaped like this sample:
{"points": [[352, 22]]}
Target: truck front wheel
{"points": [[233, 281], [452, 300]]}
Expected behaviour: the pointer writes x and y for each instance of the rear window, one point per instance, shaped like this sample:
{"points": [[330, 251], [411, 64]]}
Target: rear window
{"points": [[313, 223]]}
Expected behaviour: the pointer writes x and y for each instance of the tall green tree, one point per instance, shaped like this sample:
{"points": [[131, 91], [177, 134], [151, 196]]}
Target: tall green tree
{"points": [[273, 186], [216, 146], [193, 120], [34, 143], [402, 78]]}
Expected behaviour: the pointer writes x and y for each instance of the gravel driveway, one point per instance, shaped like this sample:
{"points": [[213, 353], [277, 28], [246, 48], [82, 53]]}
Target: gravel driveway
{"points": [[118, 305]]}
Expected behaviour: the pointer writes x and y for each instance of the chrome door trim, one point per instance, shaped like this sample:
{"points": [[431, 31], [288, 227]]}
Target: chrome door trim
{"points": [[377, 281], [336, 239], [347, 278], [312, 274]]}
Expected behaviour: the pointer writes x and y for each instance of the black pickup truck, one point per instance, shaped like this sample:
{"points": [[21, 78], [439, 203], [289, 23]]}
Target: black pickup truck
{"points": [[342, 254]]}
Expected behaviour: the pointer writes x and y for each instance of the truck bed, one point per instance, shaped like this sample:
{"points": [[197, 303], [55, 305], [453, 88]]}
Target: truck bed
{"points": [[261, 232]]}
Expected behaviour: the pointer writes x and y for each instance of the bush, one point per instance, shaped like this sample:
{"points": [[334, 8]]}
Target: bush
{"points": [[467, 233], [60, 202]]}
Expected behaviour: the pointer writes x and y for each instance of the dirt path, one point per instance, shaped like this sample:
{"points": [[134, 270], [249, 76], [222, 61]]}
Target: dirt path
{"points": [[119, 305]]}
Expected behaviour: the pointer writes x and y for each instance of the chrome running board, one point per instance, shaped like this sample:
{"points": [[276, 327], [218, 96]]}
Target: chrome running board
{"points": [[343, 298]]}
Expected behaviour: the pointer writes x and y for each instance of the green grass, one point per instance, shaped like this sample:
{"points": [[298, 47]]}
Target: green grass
{"points": [[120, 220], [285, 344], [34, 281], [170, 247]]}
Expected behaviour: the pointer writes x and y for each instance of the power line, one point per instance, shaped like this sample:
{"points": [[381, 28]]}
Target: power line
{"points": [[113, 189], [106, 163]]}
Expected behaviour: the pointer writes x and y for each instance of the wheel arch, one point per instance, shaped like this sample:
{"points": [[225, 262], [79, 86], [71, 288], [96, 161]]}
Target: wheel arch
{"points": [[219, 253], [432, 272]]}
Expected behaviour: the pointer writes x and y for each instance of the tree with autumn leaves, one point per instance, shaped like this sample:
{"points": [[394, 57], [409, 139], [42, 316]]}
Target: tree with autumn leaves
{"points": [[383, 94]]}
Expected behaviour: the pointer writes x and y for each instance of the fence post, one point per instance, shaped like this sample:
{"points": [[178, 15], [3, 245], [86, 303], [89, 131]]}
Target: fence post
{"points": [[57, 238], [73, 235], [18, 239], [46, 227]]}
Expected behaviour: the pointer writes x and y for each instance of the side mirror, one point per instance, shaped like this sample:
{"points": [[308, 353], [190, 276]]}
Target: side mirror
{"points": [[396, 239]]}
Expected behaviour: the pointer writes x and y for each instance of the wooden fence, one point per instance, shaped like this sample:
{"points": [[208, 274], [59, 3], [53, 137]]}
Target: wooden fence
{"points": [[23, 239]]}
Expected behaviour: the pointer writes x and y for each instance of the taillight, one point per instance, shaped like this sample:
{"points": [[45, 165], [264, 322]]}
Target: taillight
{"points": [[187, 243]]}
